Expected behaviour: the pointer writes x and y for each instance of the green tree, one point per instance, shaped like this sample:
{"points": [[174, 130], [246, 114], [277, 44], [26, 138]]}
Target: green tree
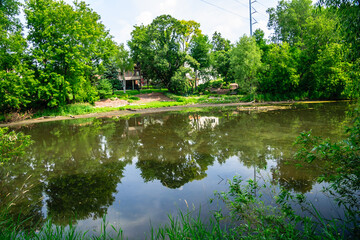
{"points": [[245, 63], [220, 56], [349, 12], [189, 30], [259, 36], [118, 63], [17, 85], [219, 43], [281, 74], [321, 30], [12, 44], [288, 20], [200, 50], [69, 45], [165, 46], [157, 48], [180, 83], [331, 72]]}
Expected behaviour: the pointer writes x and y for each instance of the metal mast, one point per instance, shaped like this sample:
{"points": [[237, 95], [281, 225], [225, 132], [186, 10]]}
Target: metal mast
{"points": [[251, 12]]}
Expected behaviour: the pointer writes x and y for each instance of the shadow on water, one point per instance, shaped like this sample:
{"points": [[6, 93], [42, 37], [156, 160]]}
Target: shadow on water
{"points": [[75, 169]]}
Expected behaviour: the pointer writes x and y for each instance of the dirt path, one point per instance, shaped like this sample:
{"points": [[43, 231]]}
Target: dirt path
{"points": [[146, 111], [144, 98]]}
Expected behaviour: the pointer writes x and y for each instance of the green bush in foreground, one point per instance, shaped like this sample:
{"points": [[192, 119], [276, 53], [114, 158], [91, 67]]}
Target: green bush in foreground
{"points": [[12, 144]]}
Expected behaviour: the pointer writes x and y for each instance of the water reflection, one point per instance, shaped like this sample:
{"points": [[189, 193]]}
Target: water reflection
{"points": [[78, 165], [83, 195]]}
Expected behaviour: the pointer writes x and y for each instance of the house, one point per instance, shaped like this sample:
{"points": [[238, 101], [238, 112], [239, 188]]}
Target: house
{"points": [[132, 79]]}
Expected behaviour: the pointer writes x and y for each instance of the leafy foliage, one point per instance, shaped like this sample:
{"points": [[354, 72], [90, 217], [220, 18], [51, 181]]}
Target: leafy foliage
{"points": [[12, 144], [288, 20], [280, 74], [104, 88], [342, 163], [165, 48], [157, 48], [220, 56], [318, 63], [68, 47], [349, 12], [17, 84], [181, 82], [245, 62], [330, 72]]}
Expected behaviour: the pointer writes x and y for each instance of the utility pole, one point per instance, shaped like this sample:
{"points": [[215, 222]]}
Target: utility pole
{"points": [[251, 9]]}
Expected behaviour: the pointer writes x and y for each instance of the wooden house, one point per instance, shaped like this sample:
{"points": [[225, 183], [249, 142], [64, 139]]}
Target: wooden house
{"points": [[132, 79]]}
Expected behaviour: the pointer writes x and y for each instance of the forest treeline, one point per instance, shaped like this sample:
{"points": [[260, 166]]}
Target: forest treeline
{"points": [[67, 55]]}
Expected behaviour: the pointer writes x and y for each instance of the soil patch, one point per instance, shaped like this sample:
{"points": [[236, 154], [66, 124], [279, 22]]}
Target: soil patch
{"points": [[111, 103], [144, 98], [152, 97]]}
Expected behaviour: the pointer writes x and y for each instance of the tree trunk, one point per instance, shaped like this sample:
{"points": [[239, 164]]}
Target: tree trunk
{"points": [[124, 83]]}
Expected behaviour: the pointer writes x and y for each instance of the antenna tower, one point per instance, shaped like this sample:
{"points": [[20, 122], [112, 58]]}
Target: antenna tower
{"points": [[252, 11]]}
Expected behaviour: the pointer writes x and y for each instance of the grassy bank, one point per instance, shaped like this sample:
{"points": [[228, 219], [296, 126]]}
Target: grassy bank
{"points": [[131, 98]]}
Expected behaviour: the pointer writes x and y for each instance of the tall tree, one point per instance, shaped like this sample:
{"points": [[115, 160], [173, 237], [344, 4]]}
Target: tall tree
{"points": [[189, 30], [219, 43], [200, 50], [163, 47], [245, 62], [331, 72], [288, 20], [69, 44], [12, 44], [349, 12], [157, 48], [281, 74], [321, 30], [17, 85], [220, 56]]}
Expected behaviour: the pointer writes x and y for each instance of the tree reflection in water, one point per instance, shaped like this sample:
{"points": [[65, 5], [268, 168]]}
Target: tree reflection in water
{"points": [[77, 165]]}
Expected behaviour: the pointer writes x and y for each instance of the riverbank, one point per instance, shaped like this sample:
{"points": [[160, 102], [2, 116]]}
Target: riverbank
{"points": [[139, 109]]}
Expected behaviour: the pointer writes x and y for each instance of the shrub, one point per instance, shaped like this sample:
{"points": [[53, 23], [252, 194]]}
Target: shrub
{"points": [[104, 88], [218, 83], [180, 83]]}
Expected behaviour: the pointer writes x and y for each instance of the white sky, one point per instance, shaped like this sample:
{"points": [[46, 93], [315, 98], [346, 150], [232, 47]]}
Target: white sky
{"points": [[119, 16]]}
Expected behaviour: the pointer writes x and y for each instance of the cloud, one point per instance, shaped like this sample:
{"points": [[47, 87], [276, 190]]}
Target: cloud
{"points": [[124, 31], [168, 6], [145, 18]]}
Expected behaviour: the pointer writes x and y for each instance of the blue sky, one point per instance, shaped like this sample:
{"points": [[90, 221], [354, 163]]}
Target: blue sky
{"points": [[229, 17]]}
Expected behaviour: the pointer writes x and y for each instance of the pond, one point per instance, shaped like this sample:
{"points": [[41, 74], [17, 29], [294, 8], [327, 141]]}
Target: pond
{"points": [[138, 169]]}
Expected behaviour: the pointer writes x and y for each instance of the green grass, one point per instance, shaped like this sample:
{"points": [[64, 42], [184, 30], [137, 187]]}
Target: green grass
{"points": [[152, 105], [249, 219], [72, 109], [187, 226], [84, 108], [208, 98]]}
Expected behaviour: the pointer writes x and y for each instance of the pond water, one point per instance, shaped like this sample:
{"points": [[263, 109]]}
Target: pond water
{"points": [[138, 169]]}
